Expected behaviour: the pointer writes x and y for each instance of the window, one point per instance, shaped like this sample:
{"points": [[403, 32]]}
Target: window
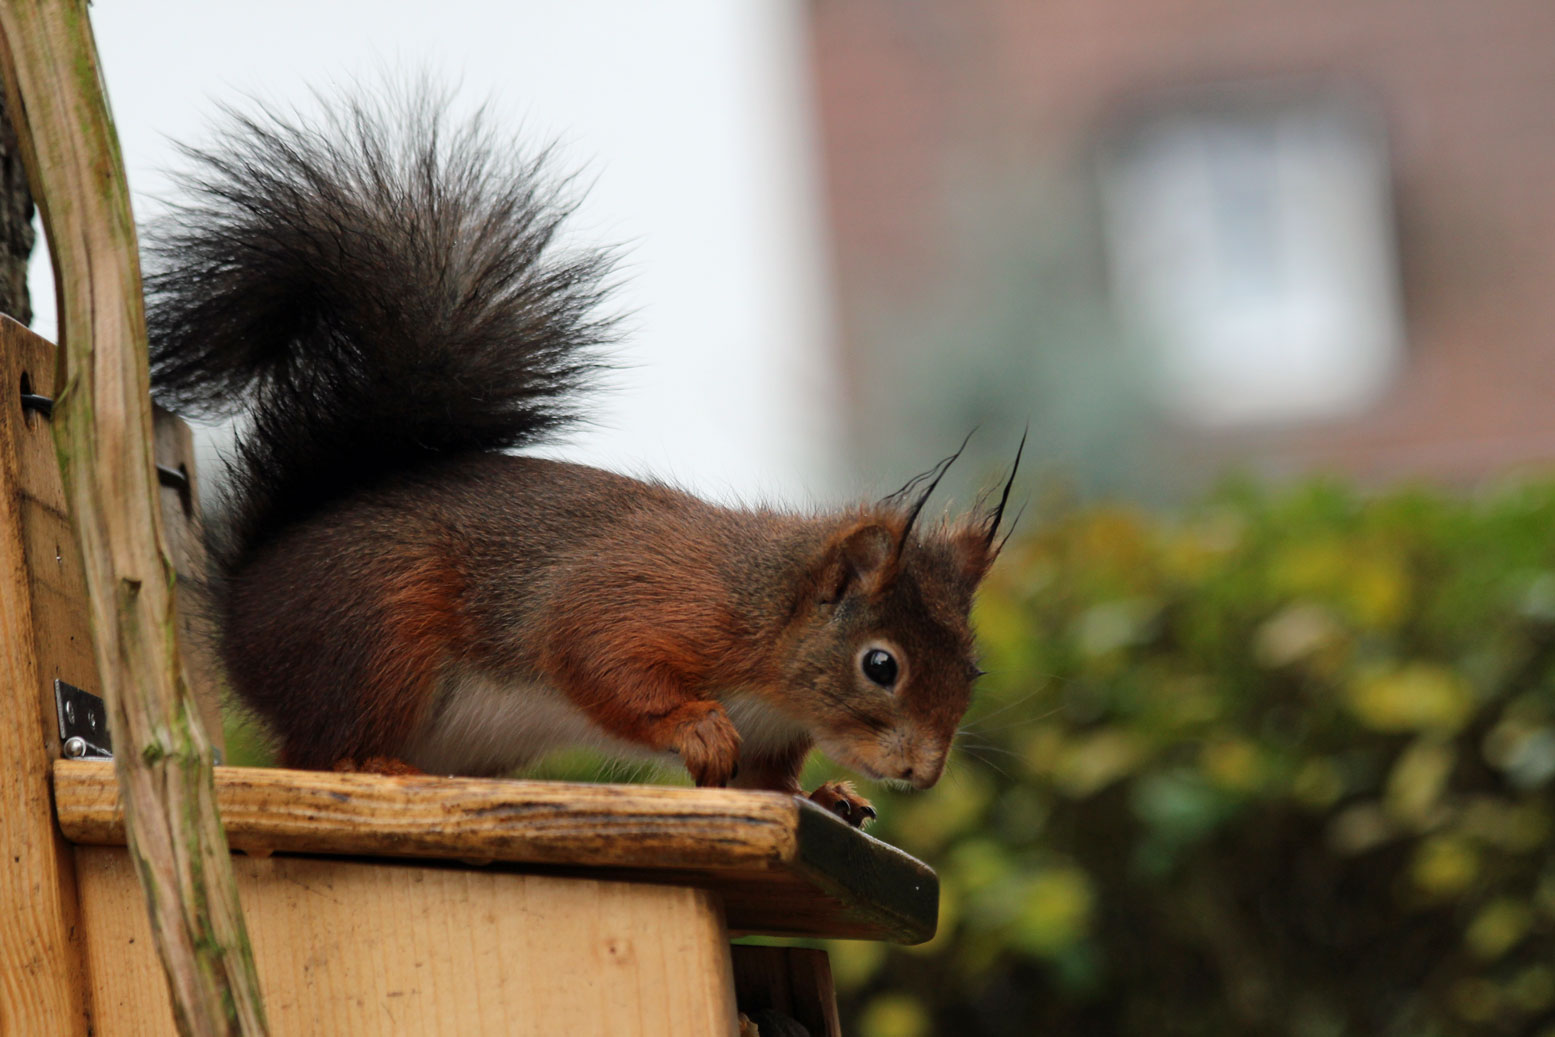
{"points": [[1252, 254]]}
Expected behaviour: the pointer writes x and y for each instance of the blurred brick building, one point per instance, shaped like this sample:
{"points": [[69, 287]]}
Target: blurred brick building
{"points": [[980, 248]]}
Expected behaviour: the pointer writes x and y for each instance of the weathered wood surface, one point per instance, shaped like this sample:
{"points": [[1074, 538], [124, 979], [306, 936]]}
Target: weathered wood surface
{"points": [[45, 634], [795, 981], [42, 636], [364, 948], [782, 865], [102, 432], [61, 626]]}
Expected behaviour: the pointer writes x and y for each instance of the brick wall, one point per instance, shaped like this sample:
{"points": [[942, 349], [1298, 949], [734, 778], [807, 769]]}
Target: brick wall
{"points": [[929, 109]]}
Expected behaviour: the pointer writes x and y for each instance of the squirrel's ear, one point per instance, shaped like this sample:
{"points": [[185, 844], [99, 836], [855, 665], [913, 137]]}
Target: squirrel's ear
{"points": [[974, 554], [860, 557]]}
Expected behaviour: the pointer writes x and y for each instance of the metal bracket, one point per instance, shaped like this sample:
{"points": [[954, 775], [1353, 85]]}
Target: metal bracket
{"points": [[38, 404], [172, 478], [83, 723]]}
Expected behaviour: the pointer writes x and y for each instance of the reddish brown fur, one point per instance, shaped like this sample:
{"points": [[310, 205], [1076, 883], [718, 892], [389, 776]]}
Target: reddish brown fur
{"points": [[637, 666], [386, 301], [644, 606], [778, 769], [423, 625], [341, 649]]}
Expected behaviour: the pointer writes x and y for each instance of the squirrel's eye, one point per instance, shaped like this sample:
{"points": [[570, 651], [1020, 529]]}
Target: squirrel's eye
{"points": [[879, 666]]}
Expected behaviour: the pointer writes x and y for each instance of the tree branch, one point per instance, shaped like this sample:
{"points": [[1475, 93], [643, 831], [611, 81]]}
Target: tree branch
{"points": [[102, 432]]}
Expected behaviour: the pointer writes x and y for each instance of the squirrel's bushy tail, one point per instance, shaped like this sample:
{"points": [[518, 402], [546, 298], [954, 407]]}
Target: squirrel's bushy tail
{"points": [[376, 290]]}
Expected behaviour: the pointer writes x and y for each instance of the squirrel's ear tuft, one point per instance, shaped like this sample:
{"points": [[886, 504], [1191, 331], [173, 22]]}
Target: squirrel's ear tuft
{"points": [[859, 558], [978, 543], [973, 551]]}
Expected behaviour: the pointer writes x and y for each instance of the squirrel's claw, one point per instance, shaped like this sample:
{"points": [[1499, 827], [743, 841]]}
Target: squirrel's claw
{"points": [[841, 799]]}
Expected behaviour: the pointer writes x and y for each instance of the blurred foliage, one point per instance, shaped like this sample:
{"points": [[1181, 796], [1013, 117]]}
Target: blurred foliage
{"points": [[1282, 765]]}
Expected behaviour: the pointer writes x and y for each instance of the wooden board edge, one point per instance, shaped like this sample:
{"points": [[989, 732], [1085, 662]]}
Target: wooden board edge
{"points": [[534, 822], [888, 889], [675, 835]]}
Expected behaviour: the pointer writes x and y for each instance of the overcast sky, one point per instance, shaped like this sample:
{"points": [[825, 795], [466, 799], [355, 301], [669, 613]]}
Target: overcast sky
{"points": [[690, 119]]}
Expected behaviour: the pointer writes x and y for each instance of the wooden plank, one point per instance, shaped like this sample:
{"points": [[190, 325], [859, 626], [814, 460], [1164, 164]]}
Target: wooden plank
{"points": [[794, 981], [781, 864], [42, 986], [102, 427], [60, 617], [352, 947], [44, 635], [61, 626]]}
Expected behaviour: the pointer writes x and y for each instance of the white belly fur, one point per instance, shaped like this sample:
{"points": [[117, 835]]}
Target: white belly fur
{"points": [[490, 726]]}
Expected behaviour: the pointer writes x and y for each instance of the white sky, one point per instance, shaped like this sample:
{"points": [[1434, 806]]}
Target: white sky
{"points": [[691, 120]]}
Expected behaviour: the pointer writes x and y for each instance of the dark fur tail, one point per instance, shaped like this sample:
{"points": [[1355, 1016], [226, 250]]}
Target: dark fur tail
{"points": [[377, 291]]}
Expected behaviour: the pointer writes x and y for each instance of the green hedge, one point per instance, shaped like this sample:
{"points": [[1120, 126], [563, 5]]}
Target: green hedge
{"points": [[1282, 765]]}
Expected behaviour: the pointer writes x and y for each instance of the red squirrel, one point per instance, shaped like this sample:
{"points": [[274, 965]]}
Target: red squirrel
{"points": [[382, 296]]}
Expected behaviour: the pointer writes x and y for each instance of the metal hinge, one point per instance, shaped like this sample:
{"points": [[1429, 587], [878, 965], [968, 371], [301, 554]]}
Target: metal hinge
{"points": [[83, 723]]}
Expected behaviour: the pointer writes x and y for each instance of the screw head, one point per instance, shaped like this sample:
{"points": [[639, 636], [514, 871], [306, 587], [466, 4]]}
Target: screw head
{"points": [[75, 748]]}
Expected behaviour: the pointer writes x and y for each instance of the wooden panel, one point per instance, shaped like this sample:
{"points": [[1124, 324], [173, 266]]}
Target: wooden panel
{"points": [[42, 989], [362, 948], [61, 620], [795, 981], [62, 626], [45, 635], [781, 864]]}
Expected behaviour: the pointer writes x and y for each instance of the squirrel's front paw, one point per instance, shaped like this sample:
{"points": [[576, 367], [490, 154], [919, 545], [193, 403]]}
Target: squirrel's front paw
{"points": [[707, 742], [840, 798]]}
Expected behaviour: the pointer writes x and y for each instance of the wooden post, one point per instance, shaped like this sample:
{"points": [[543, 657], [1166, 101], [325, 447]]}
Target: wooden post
{"points": [[42, 990], [103, 435]]}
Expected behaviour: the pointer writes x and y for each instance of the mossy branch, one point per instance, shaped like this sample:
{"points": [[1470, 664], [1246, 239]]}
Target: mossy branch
{"points": [[102, 431]]}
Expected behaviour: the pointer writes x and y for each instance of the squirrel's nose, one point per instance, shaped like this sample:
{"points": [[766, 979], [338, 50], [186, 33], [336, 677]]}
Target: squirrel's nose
{"points": [[923, 773]]}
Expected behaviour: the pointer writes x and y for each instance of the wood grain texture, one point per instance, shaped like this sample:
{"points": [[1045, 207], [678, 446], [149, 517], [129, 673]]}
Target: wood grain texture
{"points": [[42, 635], [102, 432], [795, 981], [364, 948], [781, 864], [60, 622]]}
